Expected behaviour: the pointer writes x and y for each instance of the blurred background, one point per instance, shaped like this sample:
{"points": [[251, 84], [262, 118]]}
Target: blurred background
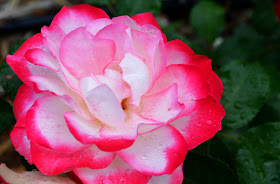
{"points": [[242, 37]]}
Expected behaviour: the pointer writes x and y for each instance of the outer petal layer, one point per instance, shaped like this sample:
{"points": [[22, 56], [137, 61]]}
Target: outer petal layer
{"points": [[192, 85], [118, 172], [51, 162], [45, 125], [158, 152], [203, 124], [21, 143], [175, 178], [147, 18], [77, 16], [24, 100]]}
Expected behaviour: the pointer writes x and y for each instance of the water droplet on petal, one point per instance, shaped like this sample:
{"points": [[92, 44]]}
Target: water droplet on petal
{"points": [[144, 157], [208, 122]]}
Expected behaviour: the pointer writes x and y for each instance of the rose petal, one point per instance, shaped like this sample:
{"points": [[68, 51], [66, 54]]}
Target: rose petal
{"points": [[24, 100], [152, 49], [52, 38], [162, 106], [114, 80], [96, 25], [175, 178], [77, 16], [42, 58], [192, 85], [45, 125], [104, 105], [17, 61], [96, 53], [147, 18], [136, 74], [216, 86], [127, 21], [201, 125], [87, 132], [57, 87], [118, 33], [158, 152], [180, 53], [61, 162], [118, 172], [32, 177], [21, 142], [129, 129]]}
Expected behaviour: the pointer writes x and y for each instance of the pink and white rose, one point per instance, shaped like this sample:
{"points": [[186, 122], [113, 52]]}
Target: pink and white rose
{"points": [[111, 99]]}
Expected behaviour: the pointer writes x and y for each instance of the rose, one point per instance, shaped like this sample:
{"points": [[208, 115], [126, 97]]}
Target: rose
{"points": [[112, 100]]}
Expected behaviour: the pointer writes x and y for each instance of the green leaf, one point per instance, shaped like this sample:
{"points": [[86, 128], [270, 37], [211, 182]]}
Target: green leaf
{"points": [[130, 8], [258, 159], [248, 45], [8, 79], [6, 116], [214, 148], [201, 169], [263, 17], [98, 2], [245, 44], [246, 88], [208, 20]]}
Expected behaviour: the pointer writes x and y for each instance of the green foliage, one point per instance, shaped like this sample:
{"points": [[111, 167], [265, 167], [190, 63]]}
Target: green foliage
{"points": [[246, 87], [98, 2], [258, 159], [208, 20], [130, 8], [6, 116], [263, 17], [209, 163], [8, 79]]}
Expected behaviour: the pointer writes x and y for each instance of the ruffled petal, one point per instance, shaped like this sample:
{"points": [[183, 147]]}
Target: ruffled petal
{"points": [[162, 106], [114, 80], [17, 61], [21, 142], [42, 58], [136, 74], [147, 18], [175, 178], [180, 53], [118, 172], [24, 100], [192, 85], [129, 129], [77, 16], [58, 88], [96, 25], [87, 132], [51, 162], [201, 125], [158, 152], [127, 21], [119, 33], [152, 49], [216, 86], [104, 105], [81, 53], [45, 125]]}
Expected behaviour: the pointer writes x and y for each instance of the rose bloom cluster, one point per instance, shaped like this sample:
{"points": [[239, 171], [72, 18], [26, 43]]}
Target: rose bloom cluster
{"points": [[111, 100]]}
